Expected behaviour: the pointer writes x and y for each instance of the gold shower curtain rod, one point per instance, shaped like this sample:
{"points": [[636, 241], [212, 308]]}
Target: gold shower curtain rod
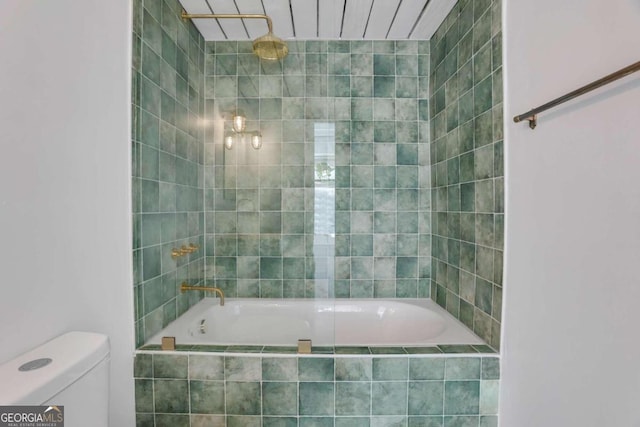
{"points": [[531, 114]]}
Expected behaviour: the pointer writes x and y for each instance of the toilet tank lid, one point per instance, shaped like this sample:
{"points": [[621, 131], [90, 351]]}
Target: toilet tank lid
{"points": [[72, 355]]}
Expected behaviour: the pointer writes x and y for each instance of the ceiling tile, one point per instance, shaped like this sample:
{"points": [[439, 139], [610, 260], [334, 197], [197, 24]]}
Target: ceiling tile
{"points": [[356, 15], [324, 19], [406, 17], [280, 14], [433, 16], [255, 27], [209, 29], [382, 15], [330, 18], [233, 28], [195, 6], [305, 18]]}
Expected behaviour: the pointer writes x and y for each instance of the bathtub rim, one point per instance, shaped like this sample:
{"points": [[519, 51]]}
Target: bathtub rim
{"points": [[427, 303]]}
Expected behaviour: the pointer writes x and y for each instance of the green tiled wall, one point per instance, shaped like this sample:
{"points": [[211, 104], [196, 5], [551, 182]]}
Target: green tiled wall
{"points": [[260, 204], [167, 152], [200, 389], [467, 170]]}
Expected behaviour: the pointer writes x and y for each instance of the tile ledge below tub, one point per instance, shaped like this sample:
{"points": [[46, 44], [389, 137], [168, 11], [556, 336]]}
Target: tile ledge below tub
{"points": [[442, 350]]}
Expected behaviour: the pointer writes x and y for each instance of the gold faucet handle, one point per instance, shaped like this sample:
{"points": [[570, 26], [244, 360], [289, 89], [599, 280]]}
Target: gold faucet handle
{"points": [[176, 253], [184, 250]]}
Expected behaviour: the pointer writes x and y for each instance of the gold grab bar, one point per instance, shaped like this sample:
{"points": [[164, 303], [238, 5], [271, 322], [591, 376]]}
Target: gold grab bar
{"points": [[531, 114], [184, 287]]}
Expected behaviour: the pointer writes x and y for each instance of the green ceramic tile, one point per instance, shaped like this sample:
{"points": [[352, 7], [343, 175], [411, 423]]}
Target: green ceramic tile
{"points": [[386, 369], [461, 421], [406, 65], [145, 420], [361, 86], [279, 398], [485, 229], [489, 393], [384, 86], [423, 350], [270, 108], [242, 369], [407, 154], [243, 398], [384, 64], [207, 397], [457, 349], [205, 420], [482, 94], [481, 29], [425, 397], [352, 350], [316, 398], [171, 396], [271, 268], [462, 368], [243, 421], [144, 395], [362, 176], [489, 421], [388, 398], [205, 367], [353, 369], [387, 350], [316, 369], [279, 422], [462, 397], [490, 368], [279, 369], [362, 245], [484, 264], [361, 109], [426, 421], [353, 398], [348, 421], [316, 421], [170, 420], [384, 131]]}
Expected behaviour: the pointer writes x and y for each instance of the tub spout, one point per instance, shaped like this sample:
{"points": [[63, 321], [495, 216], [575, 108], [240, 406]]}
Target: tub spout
{"points": [[184, 287]]}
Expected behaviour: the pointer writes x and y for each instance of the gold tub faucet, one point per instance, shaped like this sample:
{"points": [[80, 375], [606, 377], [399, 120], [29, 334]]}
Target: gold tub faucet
{"points": [[184, 287]]}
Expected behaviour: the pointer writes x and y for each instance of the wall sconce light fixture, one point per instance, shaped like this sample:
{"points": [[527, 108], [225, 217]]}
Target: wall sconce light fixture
{"points": [[239, 123]]}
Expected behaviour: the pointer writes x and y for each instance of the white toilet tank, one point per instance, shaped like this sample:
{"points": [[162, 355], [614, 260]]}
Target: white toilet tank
{"points": [[71, 370]]}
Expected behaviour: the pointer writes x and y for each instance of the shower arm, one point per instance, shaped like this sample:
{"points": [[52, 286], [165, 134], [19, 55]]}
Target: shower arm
{"points": [[186, 15]]}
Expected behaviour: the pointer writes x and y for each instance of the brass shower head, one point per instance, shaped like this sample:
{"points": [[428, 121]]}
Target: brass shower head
{"points": [[268, 47]]}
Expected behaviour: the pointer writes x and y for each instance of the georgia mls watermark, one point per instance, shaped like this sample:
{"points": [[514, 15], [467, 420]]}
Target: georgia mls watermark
{"points": [[32, 416]]}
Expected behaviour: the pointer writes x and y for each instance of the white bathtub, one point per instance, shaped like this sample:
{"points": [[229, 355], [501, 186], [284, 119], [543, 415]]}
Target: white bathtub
{"points": [[339, 322]]}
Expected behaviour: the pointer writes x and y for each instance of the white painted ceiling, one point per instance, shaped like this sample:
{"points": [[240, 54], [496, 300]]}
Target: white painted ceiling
{"points": [[322, 19]]}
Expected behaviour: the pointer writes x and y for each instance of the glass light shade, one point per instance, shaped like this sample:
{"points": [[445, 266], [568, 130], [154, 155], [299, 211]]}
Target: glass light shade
{"points": [[228, 142], [256, 140], [239, 123]]}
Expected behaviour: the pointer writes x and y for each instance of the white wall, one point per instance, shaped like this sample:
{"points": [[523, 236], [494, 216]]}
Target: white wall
{"points": [[571, 344], [65, 179]]}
